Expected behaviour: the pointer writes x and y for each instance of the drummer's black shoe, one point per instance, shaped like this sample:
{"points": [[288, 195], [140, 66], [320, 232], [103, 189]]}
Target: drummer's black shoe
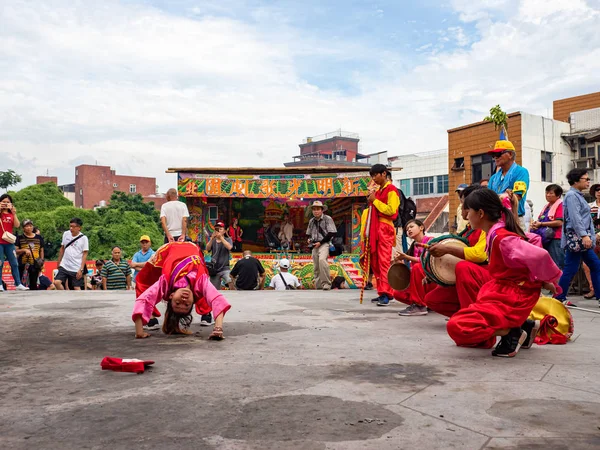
{"points": [[531, 327], [510, 344], [369, 286], [376, 299], [383, 300]]}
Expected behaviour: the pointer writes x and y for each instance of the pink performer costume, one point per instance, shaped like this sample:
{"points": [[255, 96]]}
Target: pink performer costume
{"points": [[517, 269], [174, 266]]}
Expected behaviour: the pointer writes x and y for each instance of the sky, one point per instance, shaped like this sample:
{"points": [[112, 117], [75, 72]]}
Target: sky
{"points": [[146, 85]]}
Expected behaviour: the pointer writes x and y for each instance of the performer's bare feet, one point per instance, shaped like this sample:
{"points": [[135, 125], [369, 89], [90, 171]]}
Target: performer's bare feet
{"points": [[143, 335], [217, 334]]}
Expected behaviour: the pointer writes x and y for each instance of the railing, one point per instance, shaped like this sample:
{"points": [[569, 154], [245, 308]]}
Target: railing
{"points": [[332, 134]]}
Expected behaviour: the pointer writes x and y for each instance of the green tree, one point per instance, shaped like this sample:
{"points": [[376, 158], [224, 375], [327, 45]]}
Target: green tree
{"points": [[498, 117], [9, 178], [39, 197]]}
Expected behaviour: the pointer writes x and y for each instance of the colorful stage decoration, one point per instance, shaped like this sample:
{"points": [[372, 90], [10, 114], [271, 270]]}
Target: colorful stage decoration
{"points": [[292, 187]]}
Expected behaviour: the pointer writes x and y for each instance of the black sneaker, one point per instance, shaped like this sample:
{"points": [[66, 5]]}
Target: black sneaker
{"points": [[376, 299], [153, 324], [510, 344], [531, 327], [369, 286], [206, 320]]}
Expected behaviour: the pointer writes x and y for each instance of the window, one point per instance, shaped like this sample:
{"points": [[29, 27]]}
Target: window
{"points": [[132, 189], [405, 186], [213, 213], [442, 184], [547, 166], [115, 185], [423, 185], [80, 191], [459, 164], [482, 166]]}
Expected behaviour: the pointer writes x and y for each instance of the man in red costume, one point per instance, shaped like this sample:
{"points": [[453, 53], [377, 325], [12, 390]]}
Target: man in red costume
{"points": [[384, 203]]}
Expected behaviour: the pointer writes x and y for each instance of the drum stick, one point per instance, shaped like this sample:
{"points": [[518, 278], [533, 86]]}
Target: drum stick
{"points": [[577, 308], [368, 255]]}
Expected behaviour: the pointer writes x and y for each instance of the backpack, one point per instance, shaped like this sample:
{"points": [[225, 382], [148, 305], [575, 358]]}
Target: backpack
{"points": [[406, 211]]}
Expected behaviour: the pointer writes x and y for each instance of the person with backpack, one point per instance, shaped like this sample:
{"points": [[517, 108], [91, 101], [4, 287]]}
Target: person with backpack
{"points": [[71, 257], [284, 281], [384, 203]]}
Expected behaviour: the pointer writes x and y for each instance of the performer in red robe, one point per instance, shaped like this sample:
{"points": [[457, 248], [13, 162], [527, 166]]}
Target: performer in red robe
{"points": [[518, 269], [384, 203], [177, 274]]}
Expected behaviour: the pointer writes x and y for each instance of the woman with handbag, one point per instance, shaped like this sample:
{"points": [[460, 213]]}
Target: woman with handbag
{"points": [[578, 234], [30, 250], [8, 222], [549, 224], [594, 207]]}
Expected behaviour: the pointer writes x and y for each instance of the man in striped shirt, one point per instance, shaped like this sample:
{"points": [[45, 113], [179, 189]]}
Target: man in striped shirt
{"points": [[116, 273]]}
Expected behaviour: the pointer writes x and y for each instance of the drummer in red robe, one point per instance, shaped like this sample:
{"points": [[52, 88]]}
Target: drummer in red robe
{"points": [[383, 203], [518, 269], [176, 273], [470, 274]]}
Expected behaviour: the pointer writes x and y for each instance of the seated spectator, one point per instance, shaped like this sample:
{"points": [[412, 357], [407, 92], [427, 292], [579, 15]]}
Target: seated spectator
{"points": [[96, 278], [248, 273], [45, 284], [116, 274], [284, 280]]}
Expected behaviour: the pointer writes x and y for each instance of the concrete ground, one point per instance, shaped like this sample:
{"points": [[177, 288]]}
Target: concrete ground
{"points": [[298, 370]]}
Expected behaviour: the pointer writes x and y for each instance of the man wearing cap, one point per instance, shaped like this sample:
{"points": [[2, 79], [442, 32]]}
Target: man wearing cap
{"points": [[248, 274], [284, 280], [320, 231], [220, 246], [503, 181], [142, 256], [461, 223]]}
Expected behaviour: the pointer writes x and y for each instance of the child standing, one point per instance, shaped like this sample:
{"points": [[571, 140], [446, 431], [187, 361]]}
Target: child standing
{"points": [[518, 269]]}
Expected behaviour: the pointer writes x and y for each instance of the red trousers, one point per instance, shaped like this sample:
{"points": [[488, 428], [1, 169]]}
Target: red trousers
{"points": [[500, 304], [470, 277], [416, 291], [381, 257]]}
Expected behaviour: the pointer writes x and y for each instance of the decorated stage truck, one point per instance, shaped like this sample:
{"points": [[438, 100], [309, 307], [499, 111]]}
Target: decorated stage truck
{"points": [[259, 198]]}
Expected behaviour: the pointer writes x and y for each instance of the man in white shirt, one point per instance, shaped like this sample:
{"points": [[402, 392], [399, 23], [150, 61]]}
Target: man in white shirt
{"points": [[173, 218], [72, 257], [277, 282]]}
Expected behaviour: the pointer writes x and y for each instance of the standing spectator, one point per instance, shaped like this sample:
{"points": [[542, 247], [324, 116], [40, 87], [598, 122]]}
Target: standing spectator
{"points": [[286, 232], [595, 193], [141, 256], [550, 221], [116, 274], [579, 236], [220, 247], [8, 222], [320, 231], [484, 182], [96, 279], [30, 248], [248, 273], [173, 218], [510, 172], [71, 257], [527, 219], [236, 233], [284, 280], [461, 223]]}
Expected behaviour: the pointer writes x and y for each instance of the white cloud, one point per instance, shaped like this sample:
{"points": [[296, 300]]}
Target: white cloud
{"points": [[142, 90]]}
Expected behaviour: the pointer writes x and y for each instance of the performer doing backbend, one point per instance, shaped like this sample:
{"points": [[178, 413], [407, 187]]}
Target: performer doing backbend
{"points": [[177, 274], [518, 269]]}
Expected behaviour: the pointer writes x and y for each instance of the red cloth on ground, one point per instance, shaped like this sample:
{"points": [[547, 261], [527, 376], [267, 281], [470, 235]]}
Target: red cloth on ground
{"points": [[381, 256], [503, 302], [125, 365]]}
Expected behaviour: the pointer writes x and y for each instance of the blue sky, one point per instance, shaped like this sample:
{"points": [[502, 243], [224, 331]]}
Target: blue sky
{"points": [[146, 85]]}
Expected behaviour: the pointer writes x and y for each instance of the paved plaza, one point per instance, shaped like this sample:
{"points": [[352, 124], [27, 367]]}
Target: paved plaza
{"points": [[298, 370]]}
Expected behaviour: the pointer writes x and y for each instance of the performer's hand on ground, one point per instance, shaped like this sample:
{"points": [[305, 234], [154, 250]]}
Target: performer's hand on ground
{"points": [[550, 287]]}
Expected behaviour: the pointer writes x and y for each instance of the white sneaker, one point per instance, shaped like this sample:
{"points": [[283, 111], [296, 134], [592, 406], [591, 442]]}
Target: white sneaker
{"points": [[21, 288], [1, 288]]}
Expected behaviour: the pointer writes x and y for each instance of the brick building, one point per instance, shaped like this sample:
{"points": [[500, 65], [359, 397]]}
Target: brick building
{"points": [[95, 184], [337, 148], [41, 179], [548, 148]]}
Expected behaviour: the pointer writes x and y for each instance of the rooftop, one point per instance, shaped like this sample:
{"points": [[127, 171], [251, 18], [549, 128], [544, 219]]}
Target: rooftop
{"points": [[274, 170]]}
